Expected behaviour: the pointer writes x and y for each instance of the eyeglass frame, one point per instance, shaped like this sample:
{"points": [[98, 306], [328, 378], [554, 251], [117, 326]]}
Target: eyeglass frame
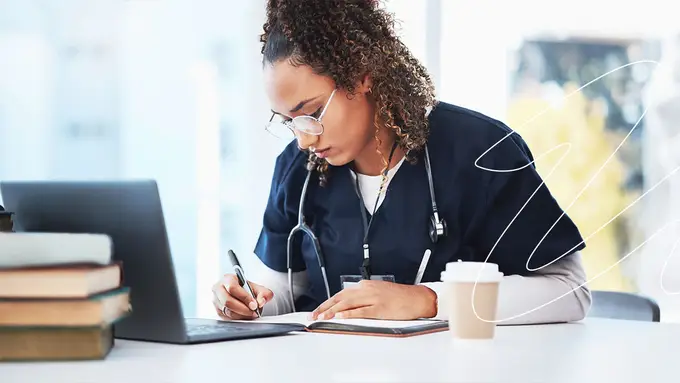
{"points": [[290, 124]]}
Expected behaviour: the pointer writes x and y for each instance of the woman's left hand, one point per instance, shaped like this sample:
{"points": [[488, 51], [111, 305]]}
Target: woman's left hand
{"points": [[379, 300]]}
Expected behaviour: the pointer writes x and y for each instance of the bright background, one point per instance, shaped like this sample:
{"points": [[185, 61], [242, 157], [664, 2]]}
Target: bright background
{"points": [[172, 90]]}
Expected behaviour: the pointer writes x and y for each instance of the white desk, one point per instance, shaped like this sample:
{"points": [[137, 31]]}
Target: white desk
{"points": [[592, 351]]}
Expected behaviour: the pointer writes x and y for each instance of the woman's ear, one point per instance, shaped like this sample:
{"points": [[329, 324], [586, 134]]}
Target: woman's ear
{"points": [[365, 85]]}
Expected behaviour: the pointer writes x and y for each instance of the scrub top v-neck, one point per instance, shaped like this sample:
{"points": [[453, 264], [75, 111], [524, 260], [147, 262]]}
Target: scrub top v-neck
{"points": [[370, 185], [477, 204]]}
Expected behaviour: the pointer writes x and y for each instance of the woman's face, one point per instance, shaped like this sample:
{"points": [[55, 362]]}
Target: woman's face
{"points": [[347, 122]]}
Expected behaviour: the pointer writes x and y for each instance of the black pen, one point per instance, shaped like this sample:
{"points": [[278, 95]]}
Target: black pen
{"points": [[242, 280]]}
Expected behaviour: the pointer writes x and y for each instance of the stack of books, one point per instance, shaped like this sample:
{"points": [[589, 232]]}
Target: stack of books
{"points": [[60, 295]]}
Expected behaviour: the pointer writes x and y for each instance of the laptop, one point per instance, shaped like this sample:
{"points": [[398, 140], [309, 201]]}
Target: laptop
{"points": [[130, 213]]}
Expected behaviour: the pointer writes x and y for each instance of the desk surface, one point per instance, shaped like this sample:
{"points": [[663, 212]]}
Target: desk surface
{"points": [[595, 350]]}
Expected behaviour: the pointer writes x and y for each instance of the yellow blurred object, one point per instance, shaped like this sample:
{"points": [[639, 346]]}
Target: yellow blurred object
{"points": [[581, 123]]}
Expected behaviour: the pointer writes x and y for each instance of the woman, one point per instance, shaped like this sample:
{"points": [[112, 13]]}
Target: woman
{"points": [[365, 121]]}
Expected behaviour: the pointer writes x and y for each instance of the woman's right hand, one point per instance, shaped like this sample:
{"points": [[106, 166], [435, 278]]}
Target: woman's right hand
{"points": [[232, 301]]}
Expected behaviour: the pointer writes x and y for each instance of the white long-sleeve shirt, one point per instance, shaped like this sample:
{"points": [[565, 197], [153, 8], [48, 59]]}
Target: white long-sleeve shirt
{"points": [[522, 299], [555, 293]]}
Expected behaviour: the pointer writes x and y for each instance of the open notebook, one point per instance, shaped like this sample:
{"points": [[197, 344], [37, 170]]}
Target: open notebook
{"points": [[374, 327]]}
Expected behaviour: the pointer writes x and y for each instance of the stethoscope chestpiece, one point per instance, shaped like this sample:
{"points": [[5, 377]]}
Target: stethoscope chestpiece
{"points": [[438, 228]]}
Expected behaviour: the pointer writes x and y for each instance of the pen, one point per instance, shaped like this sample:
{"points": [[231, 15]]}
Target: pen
{"points": [[242, 279], [423, 265]]}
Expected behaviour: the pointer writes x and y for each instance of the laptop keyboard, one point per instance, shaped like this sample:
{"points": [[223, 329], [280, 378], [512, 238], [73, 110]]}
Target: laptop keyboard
{"points": [[194, 329]]}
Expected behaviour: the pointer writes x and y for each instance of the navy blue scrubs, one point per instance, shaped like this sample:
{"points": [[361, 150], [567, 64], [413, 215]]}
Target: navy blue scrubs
{"points": [[477, 204]]}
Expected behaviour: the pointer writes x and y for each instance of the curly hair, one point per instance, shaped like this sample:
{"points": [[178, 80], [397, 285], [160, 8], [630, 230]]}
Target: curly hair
{"points": [[345, 40]]}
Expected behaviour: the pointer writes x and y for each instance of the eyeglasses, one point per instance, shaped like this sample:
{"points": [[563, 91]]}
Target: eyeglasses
{"points": [[302, 124]]}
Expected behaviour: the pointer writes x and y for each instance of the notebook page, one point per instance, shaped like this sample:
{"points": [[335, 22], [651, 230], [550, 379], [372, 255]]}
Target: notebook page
{"points": [[300, 318], [290, 318], [381, 323], [303, 319]]}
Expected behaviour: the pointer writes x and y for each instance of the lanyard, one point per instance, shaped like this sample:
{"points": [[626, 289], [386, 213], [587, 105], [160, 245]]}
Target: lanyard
{"points": [[366, 265]]}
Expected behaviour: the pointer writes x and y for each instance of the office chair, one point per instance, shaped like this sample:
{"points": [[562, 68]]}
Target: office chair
{"points": [[6, 222], [621, 305]]}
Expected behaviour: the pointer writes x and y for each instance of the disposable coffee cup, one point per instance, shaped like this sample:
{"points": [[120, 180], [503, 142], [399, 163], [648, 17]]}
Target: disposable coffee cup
{"points": [[460, 279]]}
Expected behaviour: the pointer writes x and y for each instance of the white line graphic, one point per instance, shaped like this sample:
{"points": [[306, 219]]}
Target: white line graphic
{"points": [[568, 149]]}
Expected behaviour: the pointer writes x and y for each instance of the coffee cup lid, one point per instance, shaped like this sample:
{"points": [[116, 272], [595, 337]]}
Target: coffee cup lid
{"points": [[471, 272]]}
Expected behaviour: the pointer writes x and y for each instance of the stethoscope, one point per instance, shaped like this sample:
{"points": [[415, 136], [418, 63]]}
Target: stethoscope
{"points": [[437, 228]]}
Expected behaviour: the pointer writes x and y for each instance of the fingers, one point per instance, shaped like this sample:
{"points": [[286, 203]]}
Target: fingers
{"points": [[343, 307], [359, 312], [225, 313], [239, 308], [240, 294], [347, 299], [335, 299], [218, 309], [262, 294], [229, 306], [231, 300]]}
